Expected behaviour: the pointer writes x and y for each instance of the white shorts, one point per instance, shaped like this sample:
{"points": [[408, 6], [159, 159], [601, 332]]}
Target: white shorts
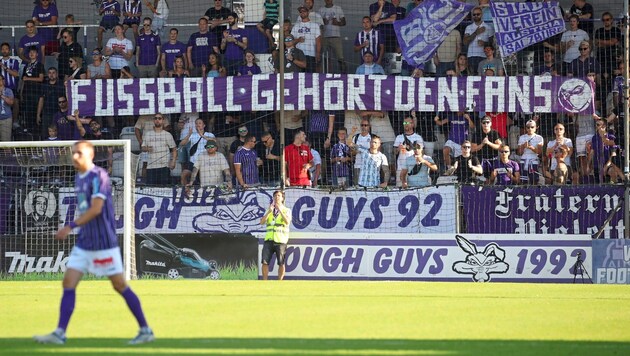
{"points": [[456, 149], [580, 145], [100, 263]]}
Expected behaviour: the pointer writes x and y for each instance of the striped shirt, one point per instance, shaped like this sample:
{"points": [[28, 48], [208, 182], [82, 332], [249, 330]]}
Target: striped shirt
{"points": [[375, 40], [246, 158], [100, 232], [132, 7], [271, 10], [10, 81], [340, 169], [370, 175], [318, 121]]}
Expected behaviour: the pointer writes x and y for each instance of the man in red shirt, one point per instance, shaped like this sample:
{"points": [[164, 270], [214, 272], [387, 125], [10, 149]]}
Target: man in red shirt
{"points": [[299, 159]]}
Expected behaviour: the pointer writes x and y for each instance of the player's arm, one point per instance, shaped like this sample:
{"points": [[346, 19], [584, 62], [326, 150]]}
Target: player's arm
{"points": [[96, 207]]}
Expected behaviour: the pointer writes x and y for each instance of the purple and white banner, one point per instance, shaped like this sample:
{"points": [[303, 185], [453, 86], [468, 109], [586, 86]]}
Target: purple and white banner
{"points": [[543, 210], [170, 210], [521, 24], [306, 91], [425, 27], [435, 257], [611, 261]]}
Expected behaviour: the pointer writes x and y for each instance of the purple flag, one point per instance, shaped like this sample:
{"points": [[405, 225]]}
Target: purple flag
{"points": [[521, 24], [425, 27]]}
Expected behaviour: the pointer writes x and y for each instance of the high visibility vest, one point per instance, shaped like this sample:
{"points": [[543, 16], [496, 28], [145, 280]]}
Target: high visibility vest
{"points": [[277, 228]]}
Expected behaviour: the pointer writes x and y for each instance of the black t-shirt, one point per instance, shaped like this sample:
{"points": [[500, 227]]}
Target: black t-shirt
{"points": [[221, 14], [235, 145], [30, 88], [464, 173], [270, 169], [486, 152], [425, 125]]}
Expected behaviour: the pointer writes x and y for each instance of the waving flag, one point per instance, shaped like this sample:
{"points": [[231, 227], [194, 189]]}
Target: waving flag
{"points": [[521, 24], [425, 27]]}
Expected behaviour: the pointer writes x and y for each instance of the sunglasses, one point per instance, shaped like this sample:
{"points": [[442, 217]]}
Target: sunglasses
{"points": [[407, 122], [146, 24], [505, 151], [265, 141], [242, 130], [364, 125], [584, 49], [486, 123], [210, 146], [476, 14]]}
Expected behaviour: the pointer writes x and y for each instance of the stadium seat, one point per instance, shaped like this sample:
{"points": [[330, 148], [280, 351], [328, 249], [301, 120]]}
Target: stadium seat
{"points": [[128, 133]]}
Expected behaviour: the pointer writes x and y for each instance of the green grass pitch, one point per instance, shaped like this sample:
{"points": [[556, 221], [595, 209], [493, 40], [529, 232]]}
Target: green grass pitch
{"points": [[324, 318]]}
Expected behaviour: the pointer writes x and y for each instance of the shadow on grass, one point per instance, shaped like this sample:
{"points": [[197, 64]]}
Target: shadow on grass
{"points": [[298, 346]]}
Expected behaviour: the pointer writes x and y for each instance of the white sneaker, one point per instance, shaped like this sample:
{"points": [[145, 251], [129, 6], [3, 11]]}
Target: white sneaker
{"points": [[144, 336], [52, 338]]}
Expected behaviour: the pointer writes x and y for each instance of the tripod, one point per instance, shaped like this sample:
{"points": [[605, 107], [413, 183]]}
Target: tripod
{"points": [[578, 268]]}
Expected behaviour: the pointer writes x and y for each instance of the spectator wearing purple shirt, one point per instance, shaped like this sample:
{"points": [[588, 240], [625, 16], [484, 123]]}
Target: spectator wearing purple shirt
{"points": [[32, 38], [9, 70], [45, 14], [69, 127], [233, 45], [599, 150], [249, 67], [383, 14], [172, 49], [458, 125], [200, 45], [147, 51], [504, 170], [369, 40], [246, 163]]}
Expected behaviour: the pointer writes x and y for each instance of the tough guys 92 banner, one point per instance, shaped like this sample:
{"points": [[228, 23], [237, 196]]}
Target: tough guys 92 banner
{"points": [[312, 91], [435, 257]]}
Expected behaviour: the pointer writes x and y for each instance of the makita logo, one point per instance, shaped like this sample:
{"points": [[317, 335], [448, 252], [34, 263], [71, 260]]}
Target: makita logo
{"points": [[157, 263], [23, 263]]}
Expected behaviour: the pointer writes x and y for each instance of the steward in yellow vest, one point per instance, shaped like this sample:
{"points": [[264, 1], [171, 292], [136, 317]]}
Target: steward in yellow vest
{"points": [[277, 219]]}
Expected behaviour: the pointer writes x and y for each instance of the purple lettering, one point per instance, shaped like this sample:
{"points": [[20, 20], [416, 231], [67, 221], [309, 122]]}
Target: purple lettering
{"points": [[349, 259], [331, 259], [164, 213], [143, 219], [439, 263], [307, 264], [423, 258], [354, 211], [302, 219], [401, 266], [408, 207], [323, 212], [381, 265], [376, 211]]}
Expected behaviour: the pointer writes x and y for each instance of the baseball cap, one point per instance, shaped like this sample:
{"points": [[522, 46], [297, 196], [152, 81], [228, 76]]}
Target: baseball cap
{"points": [[211, 144], [486, 119], [302, 8]]}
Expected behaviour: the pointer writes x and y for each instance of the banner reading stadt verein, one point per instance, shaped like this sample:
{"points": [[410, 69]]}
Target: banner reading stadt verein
{"points": [[308, 91]]}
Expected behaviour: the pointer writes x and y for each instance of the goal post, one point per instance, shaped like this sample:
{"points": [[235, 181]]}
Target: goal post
{"points": [[40, 176]]}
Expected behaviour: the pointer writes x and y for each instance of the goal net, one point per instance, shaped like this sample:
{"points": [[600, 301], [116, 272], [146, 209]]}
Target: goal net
{"points": [[38, 198]]}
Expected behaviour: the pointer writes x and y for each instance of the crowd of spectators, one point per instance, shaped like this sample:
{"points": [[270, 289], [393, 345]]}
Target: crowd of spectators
{"points": [[364, 148]]}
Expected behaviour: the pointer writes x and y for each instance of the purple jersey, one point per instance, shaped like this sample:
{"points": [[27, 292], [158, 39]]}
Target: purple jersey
{"points": [[111, 10], [340, 169], [318, 122], [172, 50], [10, 81], [245, 70], [458, 127], [36, 41], [202, 45], [502, 169], [100, 232], [247, 159], [66, 129], [148, 44], [601, 152], [374, 39], [232, 50], [42, 14]]}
